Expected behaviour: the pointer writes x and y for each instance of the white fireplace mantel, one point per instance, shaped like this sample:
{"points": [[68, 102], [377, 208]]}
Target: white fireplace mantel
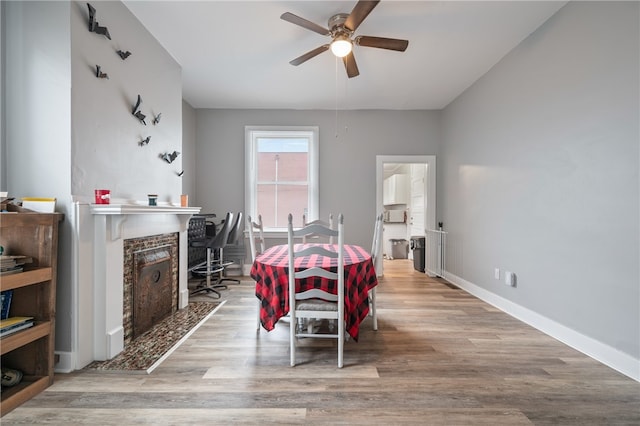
{"points": [[122, 211], [112, 224], [141, 209]]}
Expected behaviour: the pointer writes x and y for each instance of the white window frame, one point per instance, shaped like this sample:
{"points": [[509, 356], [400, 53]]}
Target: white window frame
{"points": [[251, 135]]}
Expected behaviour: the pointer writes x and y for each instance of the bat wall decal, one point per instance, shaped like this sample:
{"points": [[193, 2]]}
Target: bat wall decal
{"points": [[156, 119], [137, 113], [181, 173], [123, 55], [94, 27], [146, 141], [169, 157], [101, 74]]}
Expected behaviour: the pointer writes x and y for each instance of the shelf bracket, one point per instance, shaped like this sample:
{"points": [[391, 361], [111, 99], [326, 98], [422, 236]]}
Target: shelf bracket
{"points": [[116, 222]]}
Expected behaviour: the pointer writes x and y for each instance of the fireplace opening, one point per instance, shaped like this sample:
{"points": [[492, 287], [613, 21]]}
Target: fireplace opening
{"points": [[150, 282], [152, 288]]}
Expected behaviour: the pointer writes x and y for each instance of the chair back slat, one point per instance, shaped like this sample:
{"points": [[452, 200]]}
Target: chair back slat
{"points": [[314, 293], [319, 250], [312, 236], [316, 272]]}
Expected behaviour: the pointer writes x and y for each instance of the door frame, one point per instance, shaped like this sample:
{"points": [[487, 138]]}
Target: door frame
{"points": [[429, 187]]}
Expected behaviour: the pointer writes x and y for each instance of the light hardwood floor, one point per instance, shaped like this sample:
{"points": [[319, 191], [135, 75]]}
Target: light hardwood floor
{"points": [[440, 356]]}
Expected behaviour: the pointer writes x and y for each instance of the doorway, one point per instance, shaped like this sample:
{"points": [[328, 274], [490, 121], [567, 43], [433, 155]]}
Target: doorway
{"points": [[422, 222]]}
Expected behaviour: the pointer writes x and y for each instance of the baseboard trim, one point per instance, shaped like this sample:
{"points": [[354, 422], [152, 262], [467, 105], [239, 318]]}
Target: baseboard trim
{"points": [[595, 349], [65, 362]]}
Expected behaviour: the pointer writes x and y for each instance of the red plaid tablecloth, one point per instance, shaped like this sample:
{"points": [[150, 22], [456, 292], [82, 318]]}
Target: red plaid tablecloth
{"points": [[271, 273]]}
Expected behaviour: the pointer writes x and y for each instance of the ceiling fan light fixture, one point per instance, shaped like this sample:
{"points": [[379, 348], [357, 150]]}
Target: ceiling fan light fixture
{"points": [[341, 46]]}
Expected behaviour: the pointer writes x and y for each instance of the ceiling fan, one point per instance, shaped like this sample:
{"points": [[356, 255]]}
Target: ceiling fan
{"points": [[341, 30]]}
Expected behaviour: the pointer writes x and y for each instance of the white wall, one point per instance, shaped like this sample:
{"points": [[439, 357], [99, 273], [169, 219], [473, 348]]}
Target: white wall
{"points": [[347, 161], [539, 175]]}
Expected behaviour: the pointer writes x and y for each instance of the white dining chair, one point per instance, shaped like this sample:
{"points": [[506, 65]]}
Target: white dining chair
{"points": [[375, 258], [256, 243], [315, 303]]}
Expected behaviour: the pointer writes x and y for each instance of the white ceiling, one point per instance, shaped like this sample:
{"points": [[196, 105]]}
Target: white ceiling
{"points": [[235, 54]]}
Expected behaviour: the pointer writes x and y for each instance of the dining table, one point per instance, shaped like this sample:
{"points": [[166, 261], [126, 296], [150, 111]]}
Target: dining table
{"points": [[270, 270]]}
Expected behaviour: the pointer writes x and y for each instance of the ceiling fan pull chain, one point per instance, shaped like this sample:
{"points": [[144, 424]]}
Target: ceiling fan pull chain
{"points": [[336, 94]]}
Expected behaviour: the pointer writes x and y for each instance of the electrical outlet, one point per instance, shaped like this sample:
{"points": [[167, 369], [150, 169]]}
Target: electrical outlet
{"points": [[510, 278], [496, 273]]}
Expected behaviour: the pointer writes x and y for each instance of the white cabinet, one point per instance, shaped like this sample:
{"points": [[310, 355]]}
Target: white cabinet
{"points": [[396, 189]]}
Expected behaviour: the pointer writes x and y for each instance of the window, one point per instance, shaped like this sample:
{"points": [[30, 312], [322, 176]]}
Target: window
{"points": [[281, 166]]}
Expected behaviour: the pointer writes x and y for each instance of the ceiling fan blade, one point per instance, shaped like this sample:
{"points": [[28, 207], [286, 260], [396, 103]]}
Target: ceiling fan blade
{"points": [[309, 55], [294, 19], [382, 43], [350, 65], [359, 12]]}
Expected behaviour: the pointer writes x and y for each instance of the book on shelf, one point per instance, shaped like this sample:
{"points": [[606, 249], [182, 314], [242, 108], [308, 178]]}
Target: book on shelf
{"points": [[13, 264], [14, 324], [5, 299], [10, 271], [14, 260]]}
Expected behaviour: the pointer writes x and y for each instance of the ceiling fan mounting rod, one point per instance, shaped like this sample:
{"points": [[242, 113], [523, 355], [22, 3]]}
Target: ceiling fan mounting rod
{"points": [[336, 25]]}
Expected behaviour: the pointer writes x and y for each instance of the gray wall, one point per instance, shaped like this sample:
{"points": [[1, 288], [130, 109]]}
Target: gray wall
{"points": [[540, 174], [3, 139], [189, 152], [347, 156], [105, 150], [37, 83]]}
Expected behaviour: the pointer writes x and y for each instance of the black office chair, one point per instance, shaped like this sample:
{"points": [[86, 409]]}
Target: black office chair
{"points": [[214, 263], [234, 246], [201, 227]]}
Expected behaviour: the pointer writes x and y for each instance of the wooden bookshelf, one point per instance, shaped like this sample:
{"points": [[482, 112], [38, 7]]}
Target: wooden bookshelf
{"points": [[34, 294]]}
